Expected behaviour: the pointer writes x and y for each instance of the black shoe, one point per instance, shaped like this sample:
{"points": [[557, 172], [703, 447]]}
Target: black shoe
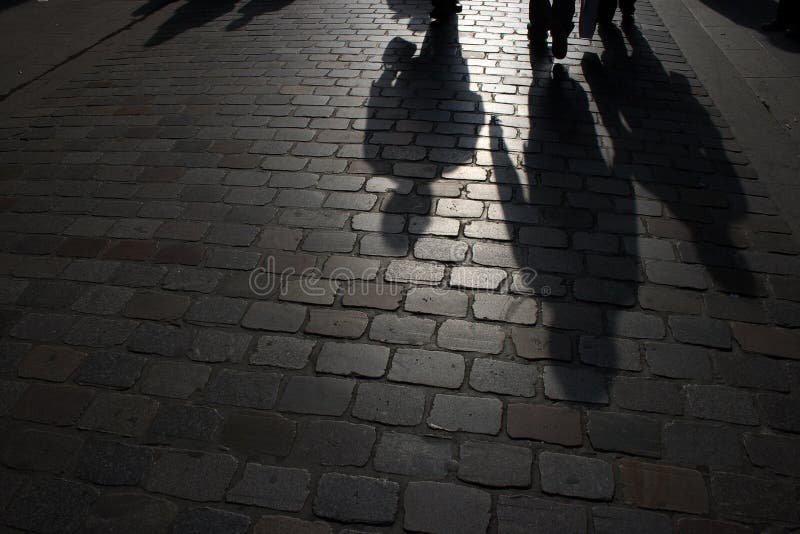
{"points": [[559, 45], [443, 11], [773, 26], [628, 19]]}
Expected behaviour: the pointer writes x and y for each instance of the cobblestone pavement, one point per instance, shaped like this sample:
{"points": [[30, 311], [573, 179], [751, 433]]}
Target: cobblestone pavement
{"points": [[546, 298]]}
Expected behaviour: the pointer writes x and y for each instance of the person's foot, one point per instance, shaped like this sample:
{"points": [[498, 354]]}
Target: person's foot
{"points": [[773, 26], [559, 45], [443, 11], [627, 19], [793, 32]]}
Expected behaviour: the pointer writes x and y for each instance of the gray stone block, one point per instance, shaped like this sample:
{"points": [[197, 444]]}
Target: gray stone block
{"points": [[440, 507], [576, 476], [356, 499], [494, 464], [279, 488], [467, 414], [431, 368]]}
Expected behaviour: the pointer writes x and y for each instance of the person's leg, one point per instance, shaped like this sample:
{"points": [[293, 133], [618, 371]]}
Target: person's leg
{"points": [[606, 10], [627, 7], [540, 14], [561, 26]]}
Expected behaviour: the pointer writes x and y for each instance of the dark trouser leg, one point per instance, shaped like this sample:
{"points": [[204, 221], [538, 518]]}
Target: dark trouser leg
{"points": [[605, 12], [540, 19], [627, 6], [563, 11]]}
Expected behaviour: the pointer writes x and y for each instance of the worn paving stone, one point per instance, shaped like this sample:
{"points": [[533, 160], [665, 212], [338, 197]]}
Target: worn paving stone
{"points": [[678, 361], [282, 351], [274, 524], [645, 395], [690, 443], [519, 310], [496, 376], [576, 476], [52, 405], [118, 370], [219, 346], [175, 380], [663, 487], [431, 368], [356, 499], [468, 414], [241, 388], [614, 519], [353, 359], [416, 456], [634, 434], [468, 336], [156, 338], [191, 475], [441, 507], [51, 363], [541, 344], [389, 404], [279, 488], [185, 422], [437, 302], [550, 424], [530, 514], [401, 330], [206, 520], [721, 403], [274, 316], [335, 443], [156, 306], [748, 496], [35, 450], [575, 384], [119, 413], [776, 453], [49, 505], [610, 352], [497, 465], [127, 512], [319, 395], [10, 393], [337, 323]]}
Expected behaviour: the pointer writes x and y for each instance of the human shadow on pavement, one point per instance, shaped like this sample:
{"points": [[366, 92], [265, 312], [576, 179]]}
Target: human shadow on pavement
{"points": [[408, 130], [254, 9], [753, 15], [191, 14], [652, 172]]}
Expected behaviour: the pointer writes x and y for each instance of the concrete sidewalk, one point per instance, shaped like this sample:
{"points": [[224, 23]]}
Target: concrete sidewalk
{"points": [[303, 266]]}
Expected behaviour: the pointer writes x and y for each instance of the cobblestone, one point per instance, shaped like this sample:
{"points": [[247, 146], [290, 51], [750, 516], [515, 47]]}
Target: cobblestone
{"points": [[466, 213], [576, 476], [431, 368], [416, 456], [495, 465], [469, 414], [191, 475], [335, 443], [279, 488], [389, 404], [440, 507], [356, 499]]}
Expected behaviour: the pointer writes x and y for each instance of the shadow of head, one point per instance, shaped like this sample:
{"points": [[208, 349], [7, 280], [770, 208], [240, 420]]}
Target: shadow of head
{"points": [[254, 9], [192, 14]]}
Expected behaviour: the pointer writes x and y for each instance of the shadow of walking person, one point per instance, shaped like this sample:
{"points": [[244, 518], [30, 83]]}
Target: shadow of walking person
{"points": [[254, 9], [420, 110], [650, 220], [192, 14]]}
